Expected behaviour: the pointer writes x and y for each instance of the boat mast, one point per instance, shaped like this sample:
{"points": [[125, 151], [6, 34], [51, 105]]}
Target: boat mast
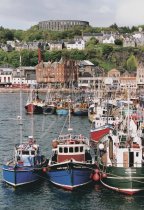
{"points": [[128, 122], [20, 117], [69, 128]]}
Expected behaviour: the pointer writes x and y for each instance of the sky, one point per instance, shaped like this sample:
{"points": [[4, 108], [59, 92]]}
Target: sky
{"points": [[22, 14]]}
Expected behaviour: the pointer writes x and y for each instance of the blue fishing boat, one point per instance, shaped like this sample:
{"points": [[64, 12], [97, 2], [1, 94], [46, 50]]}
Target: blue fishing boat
{"points": [[62, 108], [62, 111], [24, 168], [71, 164]]}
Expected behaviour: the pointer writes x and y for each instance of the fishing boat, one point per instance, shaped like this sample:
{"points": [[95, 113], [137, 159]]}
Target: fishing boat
{"points": [[50, 103], [34, 104], [25, 167], [71, 164], [62, 108], [120, 157], [49, 108], [80, 109]]}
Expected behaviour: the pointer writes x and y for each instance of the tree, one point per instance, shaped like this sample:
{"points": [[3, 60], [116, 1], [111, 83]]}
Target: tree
{"points": [[118, 42], [114, 26], [131, 63], [107, 49]]}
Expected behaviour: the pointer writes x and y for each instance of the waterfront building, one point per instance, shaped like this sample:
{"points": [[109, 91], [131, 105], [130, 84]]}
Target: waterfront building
{"points": [[61, 25], [26, 75], [5, 76], [62, 73], [140, 79]]}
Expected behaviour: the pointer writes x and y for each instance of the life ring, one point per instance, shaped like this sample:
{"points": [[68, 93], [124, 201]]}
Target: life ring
{"points": [[72, 141]]}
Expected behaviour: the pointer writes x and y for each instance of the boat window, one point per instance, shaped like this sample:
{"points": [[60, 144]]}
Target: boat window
{"points": [[65, 150], [81, 149], [76, 149], [25, 152], [137, 154], [60, 150], [71, 149], [32, 152]]}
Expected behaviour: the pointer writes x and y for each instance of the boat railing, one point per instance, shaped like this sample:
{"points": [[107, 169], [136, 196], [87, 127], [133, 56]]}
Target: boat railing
{"points": [[125, 165], [73, 137]]}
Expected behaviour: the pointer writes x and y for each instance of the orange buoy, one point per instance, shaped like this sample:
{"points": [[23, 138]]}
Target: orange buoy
{"points": [[97, 171], [104, 175], [44, 169], [96, 177]]}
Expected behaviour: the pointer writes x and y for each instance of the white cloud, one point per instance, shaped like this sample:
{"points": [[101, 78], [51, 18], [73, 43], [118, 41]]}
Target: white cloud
{"points": [[104, 9], [130, 12], [25, 13]]}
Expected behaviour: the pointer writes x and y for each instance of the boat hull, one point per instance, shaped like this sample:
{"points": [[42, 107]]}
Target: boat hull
{"points": [[124, 180], [80, 113], [33, 109], [62, 112], [48, 110], [17, 176], [69, 176]]}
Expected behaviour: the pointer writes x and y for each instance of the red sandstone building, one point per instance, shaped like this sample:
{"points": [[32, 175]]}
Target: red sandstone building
{"points": [[61, 74]]}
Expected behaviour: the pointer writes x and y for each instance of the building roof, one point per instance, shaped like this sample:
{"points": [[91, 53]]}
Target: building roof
{"points": [[86, 63]]}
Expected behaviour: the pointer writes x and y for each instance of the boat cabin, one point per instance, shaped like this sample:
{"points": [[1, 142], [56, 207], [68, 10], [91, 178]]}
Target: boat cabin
{"points": [[103, 120], [26, 153], [122, 153], [71, 147]]}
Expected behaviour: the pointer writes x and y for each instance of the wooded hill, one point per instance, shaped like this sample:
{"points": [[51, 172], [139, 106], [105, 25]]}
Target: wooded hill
{"points": [[105, 56]]}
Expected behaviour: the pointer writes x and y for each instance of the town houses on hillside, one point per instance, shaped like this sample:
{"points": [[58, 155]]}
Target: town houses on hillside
{"points": [[135, 39]]}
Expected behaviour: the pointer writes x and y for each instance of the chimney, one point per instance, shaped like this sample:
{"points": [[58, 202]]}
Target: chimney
{"points": [[39, 55]]}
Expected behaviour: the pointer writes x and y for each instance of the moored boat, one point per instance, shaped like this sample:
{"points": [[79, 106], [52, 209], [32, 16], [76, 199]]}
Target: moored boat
{"points": [[121, 158], [71, 164], [49, 108], [25, 167], [34, 104], [80, 109]]}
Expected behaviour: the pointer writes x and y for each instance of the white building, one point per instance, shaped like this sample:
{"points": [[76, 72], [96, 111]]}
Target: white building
{"points": [[26, 77], [109, 40], [80, 45], [6, 76]]}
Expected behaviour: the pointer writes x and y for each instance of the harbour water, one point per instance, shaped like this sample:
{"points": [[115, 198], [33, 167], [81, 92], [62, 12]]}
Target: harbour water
{"points": [[44, 195]]}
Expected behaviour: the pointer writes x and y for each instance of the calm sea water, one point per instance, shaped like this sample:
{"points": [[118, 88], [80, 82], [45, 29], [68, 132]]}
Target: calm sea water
{"points": [[44, 195]]}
